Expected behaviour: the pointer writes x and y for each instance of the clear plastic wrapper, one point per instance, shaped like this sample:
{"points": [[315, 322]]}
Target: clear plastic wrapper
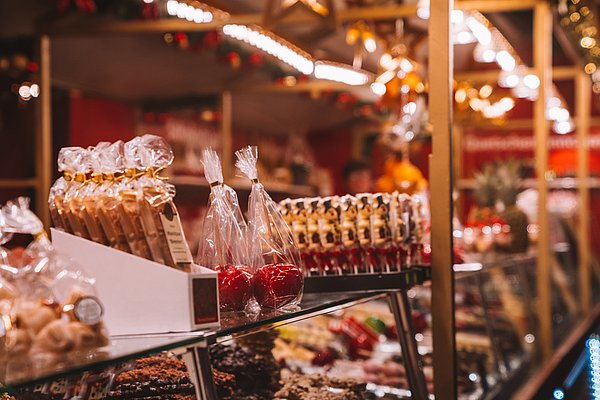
{"points": [[148, 204], [109, 161], [330, 231], [55, 313], [82, 203], [74, 162], [278, 280], [224, 246], [381, 232]]}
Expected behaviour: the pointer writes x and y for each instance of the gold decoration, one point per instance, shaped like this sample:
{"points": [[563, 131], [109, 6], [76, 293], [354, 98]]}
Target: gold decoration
{"points": [[322, 11]]}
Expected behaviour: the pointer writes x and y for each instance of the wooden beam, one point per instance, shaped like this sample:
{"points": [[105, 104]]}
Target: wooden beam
{"points": [[440, 67], [488, 6], [43, 148], [88, 26], [227, 134], [561, 73], [583, 103], [18, 183], [542, 60]]}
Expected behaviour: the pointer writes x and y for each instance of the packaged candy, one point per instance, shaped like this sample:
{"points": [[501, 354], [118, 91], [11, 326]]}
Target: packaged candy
{"points": [[330, 232], [224, 246], [381, 231], [147, 203], [78, 159], [109, 162], [278, 280], [54, 312], [82, 204]]}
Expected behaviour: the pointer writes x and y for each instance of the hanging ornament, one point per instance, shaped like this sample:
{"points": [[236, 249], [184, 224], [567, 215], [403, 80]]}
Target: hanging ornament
{"points": [[211, 39], [255, 59], [322, 13], [150, 10], [361, 36], [234, 60]]}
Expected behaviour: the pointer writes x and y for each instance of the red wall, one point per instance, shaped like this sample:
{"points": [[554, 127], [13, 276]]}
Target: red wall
{"points": [[95, 119]]}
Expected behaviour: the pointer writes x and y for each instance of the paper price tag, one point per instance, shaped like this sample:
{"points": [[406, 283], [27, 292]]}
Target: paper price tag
{"points": [[88, 310], [175, 238]]}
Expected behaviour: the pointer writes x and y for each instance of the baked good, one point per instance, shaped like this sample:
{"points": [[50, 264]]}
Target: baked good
{"points": [[159, 377]]}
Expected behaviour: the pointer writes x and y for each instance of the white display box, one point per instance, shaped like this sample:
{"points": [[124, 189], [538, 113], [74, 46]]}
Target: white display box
{"points": [[141, 296]]}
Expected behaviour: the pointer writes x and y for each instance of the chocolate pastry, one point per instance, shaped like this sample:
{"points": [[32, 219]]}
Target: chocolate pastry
{"points": [[256, 374], [308, 387], [158, 377]]}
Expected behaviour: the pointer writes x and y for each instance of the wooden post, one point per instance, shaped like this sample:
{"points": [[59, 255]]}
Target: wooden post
{"points": [[43, 150], [226, 134], [542, 59], [583, 99], [442, 280]]}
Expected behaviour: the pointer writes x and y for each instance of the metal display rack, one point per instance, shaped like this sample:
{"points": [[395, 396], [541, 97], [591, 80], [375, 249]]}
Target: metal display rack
{"points": [[193, 346]]}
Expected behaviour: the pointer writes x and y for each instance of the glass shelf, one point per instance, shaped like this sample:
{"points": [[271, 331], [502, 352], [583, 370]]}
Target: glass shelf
{"points": [[124, 348]]}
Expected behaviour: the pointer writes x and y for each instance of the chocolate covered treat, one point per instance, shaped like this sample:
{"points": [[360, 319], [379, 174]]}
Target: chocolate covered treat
{"points": [[154, 377], [316, 386], [257, 375]]}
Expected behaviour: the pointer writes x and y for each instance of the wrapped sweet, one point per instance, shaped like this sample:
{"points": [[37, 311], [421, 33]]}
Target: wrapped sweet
{"points": [[148, 201], [50, 308], [224, 246], [278, 280], [108, 161]]}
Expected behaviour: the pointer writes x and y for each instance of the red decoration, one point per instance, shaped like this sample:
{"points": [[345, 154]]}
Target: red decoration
{"points": [[86, 6], [255, 59], [180, 37], [276, 285], [150, 11], [33, 67], [234, 59], [212, 39], [235, 287]]}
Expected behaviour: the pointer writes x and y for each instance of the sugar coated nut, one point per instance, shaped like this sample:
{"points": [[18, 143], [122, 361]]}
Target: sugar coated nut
{"points": [[276, 285]]}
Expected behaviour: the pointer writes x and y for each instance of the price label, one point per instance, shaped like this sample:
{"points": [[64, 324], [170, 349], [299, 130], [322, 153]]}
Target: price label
{"points": [[88, 310]]}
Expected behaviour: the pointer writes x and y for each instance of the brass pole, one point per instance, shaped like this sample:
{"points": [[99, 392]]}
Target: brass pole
{"points": [[440, 72], [43, 162], [542, 60], [583, 99], [226, 134]]}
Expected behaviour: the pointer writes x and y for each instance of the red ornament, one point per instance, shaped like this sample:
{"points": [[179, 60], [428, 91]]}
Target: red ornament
{"points": [[86, 6], [33, 67], [234, 59], [255, 59], [276, 285], [180, 36], [211, 39], [149, 117], [150, 10], [235, 287]]}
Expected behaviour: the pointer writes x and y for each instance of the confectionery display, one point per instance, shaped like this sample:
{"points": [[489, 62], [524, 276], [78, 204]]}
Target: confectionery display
{"points": [[366, 233], [114, 194], [255, 260], [49, 311]]}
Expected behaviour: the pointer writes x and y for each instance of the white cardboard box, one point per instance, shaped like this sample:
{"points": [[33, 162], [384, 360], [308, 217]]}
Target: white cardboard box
{"points": [[141, 296]]}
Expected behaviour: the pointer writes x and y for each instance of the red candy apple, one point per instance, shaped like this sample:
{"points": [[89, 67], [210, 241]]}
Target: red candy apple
{"points": [[276, 285], [235, 287]]}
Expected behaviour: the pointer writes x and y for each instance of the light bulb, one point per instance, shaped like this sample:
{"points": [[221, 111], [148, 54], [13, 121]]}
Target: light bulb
{"points": [[378, 88], [505, 60]]}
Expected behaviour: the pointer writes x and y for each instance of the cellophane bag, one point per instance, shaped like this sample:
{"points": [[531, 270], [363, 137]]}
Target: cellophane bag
{"points": [[55, 314], [278, 280], [149, 201], [108, 160], [223, 246], [82, 204], [72, 162]]}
